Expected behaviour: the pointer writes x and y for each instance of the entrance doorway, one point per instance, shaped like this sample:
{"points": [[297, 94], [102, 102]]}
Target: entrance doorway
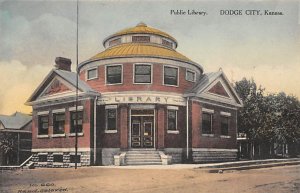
{"points": [[142, 128]]}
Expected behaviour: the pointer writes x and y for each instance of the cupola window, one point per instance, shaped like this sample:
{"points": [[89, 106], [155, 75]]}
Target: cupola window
{"points": [[140, 38], [114, 42], [167, 43]]}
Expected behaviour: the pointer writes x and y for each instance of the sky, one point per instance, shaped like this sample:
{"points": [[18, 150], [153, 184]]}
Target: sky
{"points": [[263, 47]]}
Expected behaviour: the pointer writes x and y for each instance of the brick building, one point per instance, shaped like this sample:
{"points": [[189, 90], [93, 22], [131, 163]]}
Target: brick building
{"points": [[140, 102]]}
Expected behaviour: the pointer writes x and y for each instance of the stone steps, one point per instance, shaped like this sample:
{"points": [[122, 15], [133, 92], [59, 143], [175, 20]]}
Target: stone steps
{"points": [[142, 157]]}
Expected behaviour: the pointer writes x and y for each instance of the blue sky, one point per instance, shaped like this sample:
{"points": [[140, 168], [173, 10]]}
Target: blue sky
{"points": [[33, 33]]}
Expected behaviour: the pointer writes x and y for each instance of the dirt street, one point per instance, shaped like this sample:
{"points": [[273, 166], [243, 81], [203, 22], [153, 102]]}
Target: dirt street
{"points": [[88, 180]]}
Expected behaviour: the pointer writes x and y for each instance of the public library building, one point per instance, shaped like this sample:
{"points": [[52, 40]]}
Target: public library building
{"points": [[139, 102]]}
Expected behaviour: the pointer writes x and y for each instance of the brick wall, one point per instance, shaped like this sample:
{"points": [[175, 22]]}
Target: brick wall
{"points": [[215, 141], [66, 141], [128, 85]]}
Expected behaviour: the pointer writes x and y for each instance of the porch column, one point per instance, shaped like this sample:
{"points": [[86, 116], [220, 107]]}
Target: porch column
{"points": [[160, 127], [124, 127]]}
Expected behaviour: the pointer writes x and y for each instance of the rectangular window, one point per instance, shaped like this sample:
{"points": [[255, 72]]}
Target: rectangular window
{"points": [[207, 123], [167, 43], [59, 123], [79, 121], [111, 119], [224, 125], [75, 159], [92, 74], [57, 158], [43, 124], [190, 76], [43, 158], [114, 74], [172, 120], [140, 38], [142, 73], [170, 76]]}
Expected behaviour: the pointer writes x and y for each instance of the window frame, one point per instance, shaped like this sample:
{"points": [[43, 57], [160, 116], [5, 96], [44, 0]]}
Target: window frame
{"points": [[72, 124], [132, 37], [169, 109], [87, 73], [39, 124], [106, 78], [192, 71], [211, 133], [107, 108], [54, 114], [221, 125], [151, 73], [163, 79], [165, 42]]}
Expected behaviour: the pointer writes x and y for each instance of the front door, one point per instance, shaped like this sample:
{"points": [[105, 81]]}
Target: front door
{"points": [[142, 132]]}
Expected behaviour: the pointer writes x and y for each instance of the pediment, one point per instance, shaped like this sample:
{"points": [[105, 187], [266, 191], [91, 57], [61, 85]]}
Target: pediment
{"points": [[220, 90], [57, 86]]}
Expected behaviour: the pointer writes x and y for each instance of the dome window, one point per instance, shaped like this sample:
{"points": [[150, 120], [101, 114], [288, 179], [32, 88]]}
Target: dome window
{"points": [[114, 42], [167, 43], [140, 38]]}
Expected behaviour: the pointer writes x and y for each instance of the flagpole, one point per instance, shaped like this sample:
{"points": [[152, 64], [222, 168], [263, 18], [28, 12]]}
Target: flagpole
{"points": [[76, 105]]}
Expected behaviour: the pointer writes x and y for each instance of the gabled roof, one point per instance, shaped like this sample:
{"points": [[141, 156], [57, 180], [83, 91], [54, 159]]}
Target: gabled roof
{"points": [[209, 80], [15, 121], [69, 77]]}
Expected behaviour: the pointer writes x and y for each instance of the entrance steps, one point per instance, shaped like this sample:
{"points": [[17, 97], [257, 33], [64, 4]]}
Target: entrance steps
{"points": [[143, 157]]}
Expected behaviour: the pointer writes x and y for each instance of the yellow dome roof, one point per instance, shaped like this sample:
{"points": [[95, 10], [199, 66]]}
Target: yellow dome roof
{"points": [[141, 28], [135, 49]]}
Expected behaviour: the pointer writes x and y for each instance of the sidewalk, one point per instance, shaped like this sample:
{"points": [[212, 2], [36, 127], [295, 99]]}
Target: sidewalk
{"points": [[216, 167]]}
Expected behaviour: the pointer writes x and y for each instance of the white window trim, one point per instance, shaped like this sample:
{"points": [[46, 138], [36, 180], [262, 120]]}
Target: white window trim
{"points": [[189, 70], [111, 106], [210, 111], [43, 113], [106, 74], [146, 64], [74, 134], [42, 136], [59, 111], [172, 132], [176, 129], [110, 131], [58, 135], [163, 79], [225, 136], [89, 69], [172, 108], [226, 114], [79, 108], [208, 135]]}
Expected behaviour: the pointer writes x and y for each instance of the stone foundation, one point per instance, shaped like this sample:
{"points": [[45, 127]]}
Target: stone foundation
{"points": [[176, 154], [205, 155], [66, 159]]}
